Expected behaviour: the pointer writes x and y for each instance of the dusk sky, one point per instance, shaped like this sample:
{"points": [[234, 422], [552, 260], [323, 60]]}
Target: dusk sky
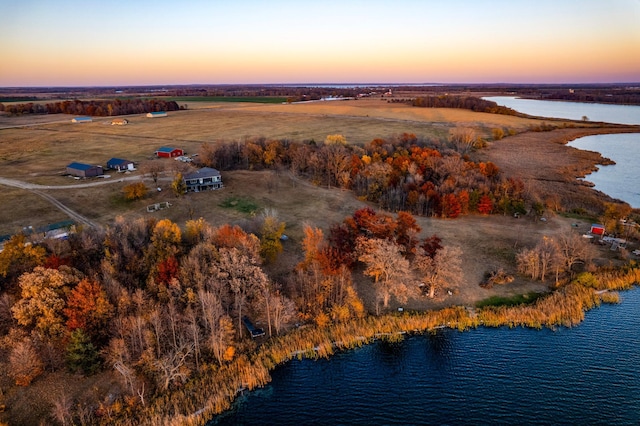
{"points": [[76, 43]]}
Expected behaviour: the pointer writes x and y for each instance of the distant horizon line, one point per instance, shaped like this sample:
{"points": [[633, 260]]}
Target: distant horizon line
{"points": [[319, 85]]}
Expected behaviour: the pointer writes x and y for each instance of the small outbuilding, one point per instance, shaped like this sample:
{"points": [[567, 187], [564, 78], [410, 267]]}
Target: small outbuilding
{"points": [[169, 152], [597, 229], [120, 165], [81, 120], [156, 114], [119, 122], [84, 170], [204, 179]]}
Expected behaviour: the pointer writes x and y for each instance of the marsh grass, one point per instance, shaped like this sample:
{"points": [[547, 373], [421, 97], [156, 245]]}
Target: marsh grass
{"points": [[518, 299], [213, 392]]}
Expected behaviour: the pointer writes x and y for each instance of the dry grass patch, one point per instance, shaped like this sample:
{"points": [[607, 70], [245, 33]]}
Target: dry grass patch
{"points": [[20, 208], [380, 109], [46, 149]]}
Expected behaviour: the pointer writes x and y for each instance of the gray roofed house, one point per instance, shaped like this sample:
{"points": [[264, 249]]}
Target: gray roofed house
{"points": [[84, 170], [202, 180]]}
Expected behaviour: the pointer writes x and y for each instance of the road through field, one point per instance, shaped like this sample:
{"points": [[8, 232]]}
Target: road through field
{"points": [[38, 190]]}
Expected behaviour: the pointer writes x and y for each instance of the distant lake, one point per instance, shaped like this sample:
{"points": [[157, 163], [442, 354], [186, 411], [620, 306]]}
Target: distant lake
{"points": [[586, 375], [609, 113], [622, 180]]}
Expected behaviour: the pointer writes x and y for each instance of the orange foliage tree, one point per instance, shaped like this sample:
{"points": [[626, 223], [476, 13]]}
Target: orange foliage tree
{"points": [[88, 308]]}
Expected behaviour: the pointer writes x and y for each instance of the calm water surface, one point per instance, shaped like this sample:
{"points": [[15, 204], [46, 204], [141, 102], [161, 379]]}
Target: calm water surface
{"points": [[622, 114], [621, 180], [589, 375]]}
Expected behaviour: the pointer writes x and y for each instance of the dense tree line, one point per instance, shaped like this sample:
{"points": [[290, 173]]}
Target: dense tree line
{"points": [[403, 173], [157, 304], [98, 108], [462, 102]]}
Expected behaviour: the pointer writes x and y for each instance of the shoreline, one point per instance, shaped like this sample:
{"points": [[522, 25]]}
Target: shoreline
{"points": [[568, 306], [553, 167]]}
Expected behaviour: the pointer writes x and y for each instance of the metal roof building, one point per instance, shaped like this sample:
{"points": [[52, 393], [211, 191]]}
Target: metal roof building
{"points": [[84, 170]]}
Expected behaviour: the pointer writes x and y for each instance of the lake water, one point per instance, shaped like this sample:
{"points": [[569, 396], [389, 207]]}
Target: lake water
{"points": [[621, 114], [589, 374], [622, 180]]}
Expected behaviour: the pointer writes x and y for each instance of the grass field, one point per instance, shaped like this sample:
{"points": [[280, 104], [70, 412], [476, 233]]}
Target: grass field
{"points": [[45, 150]]}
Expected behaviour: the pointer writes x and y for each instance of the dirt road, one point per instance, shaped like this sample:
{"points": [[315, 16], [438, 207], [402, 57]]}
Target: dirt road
{"points": [[38, 190]]}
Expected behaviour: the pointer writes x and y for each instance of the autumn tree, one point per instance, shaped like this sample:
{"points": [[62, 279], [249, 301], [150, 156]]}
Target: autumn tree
{"points": [[485, 205], [165, 239], [135, 191], [443, 269], [89, 309], [321, 286], [406, 231], [178, 185], [270, 235], [43, 299], [17, 256], [196, 231], [336, 160], [385, 263]]}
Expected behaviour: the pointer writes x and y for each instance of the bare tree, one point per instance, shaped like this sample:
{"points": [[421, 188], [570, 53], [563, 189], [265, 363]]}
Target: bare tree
{"points": [[61, 410], [25, 364], [571, 249], [218, 326], [284, 310], [172, 366], [441, 270], [153, 169], [385, 263]]}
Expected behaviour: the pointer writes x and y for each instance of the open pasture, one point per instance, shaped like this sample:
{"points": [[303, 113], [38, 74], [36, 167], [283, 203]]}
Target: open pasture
{"points": [[45, 149]]}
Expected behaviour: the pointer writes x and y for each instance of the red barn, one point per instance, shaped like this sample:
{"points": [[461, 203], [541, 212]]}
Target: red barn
{"points": [[597, 229], [168, 152]]}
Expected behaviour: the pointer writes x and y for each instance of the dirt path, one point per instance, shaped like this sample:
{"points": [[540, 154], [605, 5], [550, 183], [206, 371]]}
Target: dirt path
{"points": [[38, 190]]}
